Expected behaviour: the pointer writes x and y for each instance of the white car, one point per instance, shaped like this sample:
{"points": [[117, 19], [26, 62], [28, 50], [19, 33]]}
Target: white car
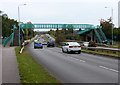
{"points": [[86, 44], [71, 47], [44, 42]]}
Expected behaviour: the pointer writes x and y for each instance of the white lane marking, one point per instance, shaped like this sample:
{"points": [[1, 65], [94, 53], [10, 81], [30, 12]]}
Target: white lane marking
{"points": [[109, 69], [82, 61], [78, 59]]}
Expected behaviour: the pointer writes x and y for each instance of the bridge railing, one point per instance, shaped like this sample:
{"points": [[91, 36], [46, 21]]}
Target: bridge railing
{"points": [[55, 26], [8, 39], [97, 34], [103, 34]]}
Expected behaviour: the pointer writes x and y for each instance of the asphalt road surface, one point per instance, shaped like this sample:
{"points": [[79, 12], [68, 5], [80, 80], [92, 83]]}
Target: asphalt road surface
{"points": [[76, 68]]}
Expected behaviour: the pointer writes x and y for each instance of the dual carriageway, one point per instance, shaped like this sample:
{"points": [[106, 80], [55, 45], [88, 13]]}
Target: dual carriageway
{"points": [[76, 68]]}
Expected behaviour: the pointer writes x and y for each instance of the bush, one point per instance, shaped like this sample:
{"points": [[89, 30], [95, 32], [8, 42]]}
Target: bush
{"points": [[92, 44], [60, 38], [68, 36]]}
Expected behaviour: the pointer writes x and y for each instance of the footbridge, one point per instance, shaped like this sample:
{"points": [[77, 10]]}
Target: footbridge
{"points": [[55, 26], [94, 33]]}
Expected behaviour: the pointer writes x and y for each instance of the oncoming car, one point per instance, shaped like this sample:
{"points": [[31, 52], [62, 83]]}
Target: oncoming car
{"points": [[37, 45], [51, 44], [86, 44], [44, 42], [71, 47]]}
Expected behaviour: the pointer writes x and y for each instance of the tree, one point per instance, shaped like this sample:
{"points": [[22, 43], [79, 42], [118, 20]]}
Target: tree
{"points": [[0, 11], [107, 27], [70, 29], [7, 26], [116, 34], [67, 32], [5, 15], [64, 28], [60, 37], [26, 33], [29, 31]]}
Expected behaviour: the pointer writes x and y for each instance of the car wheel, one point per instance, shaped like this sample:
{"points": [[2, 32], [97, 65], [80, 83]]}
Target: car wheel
{"points": [[68, 51], [63, 50], [34, 47], [79, 52]]}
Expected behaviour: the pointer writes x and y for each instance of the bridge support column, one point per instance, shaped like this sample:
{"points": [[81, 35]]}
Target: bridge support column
{"points": [[16, 38]]}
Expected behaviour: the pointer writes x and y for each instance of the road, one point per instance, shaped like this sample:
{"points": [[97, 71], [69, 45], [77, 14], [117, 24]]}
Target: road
{"points": [[76, 68]]}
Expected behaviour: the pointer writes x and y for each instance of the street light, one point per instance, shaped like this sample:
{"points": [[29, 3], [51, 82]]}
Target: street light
{"points": [[112, 22], [19, 19]]}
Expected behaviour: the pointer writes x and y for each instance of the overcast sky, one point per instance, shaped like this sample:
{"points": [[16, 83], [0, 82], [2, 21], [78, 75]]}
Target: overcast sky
{"points": [[61, 11]]}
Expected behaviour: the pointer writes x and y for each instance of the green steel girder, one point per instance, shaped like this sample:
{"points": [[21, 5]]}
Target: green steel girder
{"points": [[55, 26], [84, 28], [98, 36], [8, 39]]}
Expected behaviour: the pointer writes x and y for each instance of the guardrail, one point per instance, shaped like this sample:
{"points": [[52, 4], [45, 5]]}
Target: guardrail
{"points": [[25, 43], [115, 51]]}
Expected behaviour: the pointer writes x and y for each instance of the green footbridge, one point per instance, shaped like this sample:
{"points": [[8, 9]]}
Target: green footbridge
{"points": [[83, 29]]}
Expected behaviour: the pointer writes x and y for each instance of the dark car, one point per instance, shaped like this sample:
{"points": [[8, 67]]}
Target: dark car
{"points": [[38, 45], [51, 44]]}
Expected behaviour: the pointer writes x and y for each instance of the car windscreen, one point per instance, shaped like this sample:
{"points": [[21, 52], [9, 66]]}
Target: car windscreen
{"points": [[36, 43], [51, 42]]}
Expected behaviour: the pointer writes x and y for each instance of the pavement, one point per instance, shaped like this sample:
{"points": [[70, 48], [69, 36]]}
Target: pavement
{"points": [[76, 68], [10, 72]]}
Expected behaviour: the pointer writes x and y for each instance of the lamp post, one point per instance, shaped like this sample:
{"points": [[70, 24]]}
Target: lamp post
{"points": [[112, 22], [19, 19]]}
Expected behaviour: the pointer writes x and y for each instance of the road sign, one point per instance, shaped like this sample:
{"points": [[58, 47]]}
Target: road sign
{"points": [[19, 34], [19, 37]]}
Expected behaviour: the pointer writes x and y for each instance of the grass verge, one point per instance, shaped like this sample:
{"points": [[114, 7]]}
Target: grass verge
{"points": [[31, 71], [98, 52]]}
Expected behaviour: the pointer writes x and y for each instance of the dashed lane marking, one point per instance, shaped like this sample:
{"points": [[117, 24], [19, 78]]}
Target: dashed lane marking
{"points": [[109, 69], [78, 59]]}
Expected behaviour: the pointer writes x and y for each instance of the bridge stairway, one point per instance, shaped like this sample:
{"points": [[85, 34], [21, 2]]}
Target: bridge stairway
{"points": [[9, 40], [100, 35]]}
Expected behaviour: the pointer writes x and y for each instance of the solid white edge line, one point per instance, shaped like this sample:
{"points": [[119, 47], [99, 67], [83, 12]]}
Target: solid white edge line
{"points": [[109, 69]]}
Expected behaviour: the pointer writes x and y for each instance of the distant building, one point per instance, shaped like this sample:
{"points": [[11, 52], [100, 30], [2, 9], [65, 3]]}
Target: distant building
{"points": [[119, 14]]}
